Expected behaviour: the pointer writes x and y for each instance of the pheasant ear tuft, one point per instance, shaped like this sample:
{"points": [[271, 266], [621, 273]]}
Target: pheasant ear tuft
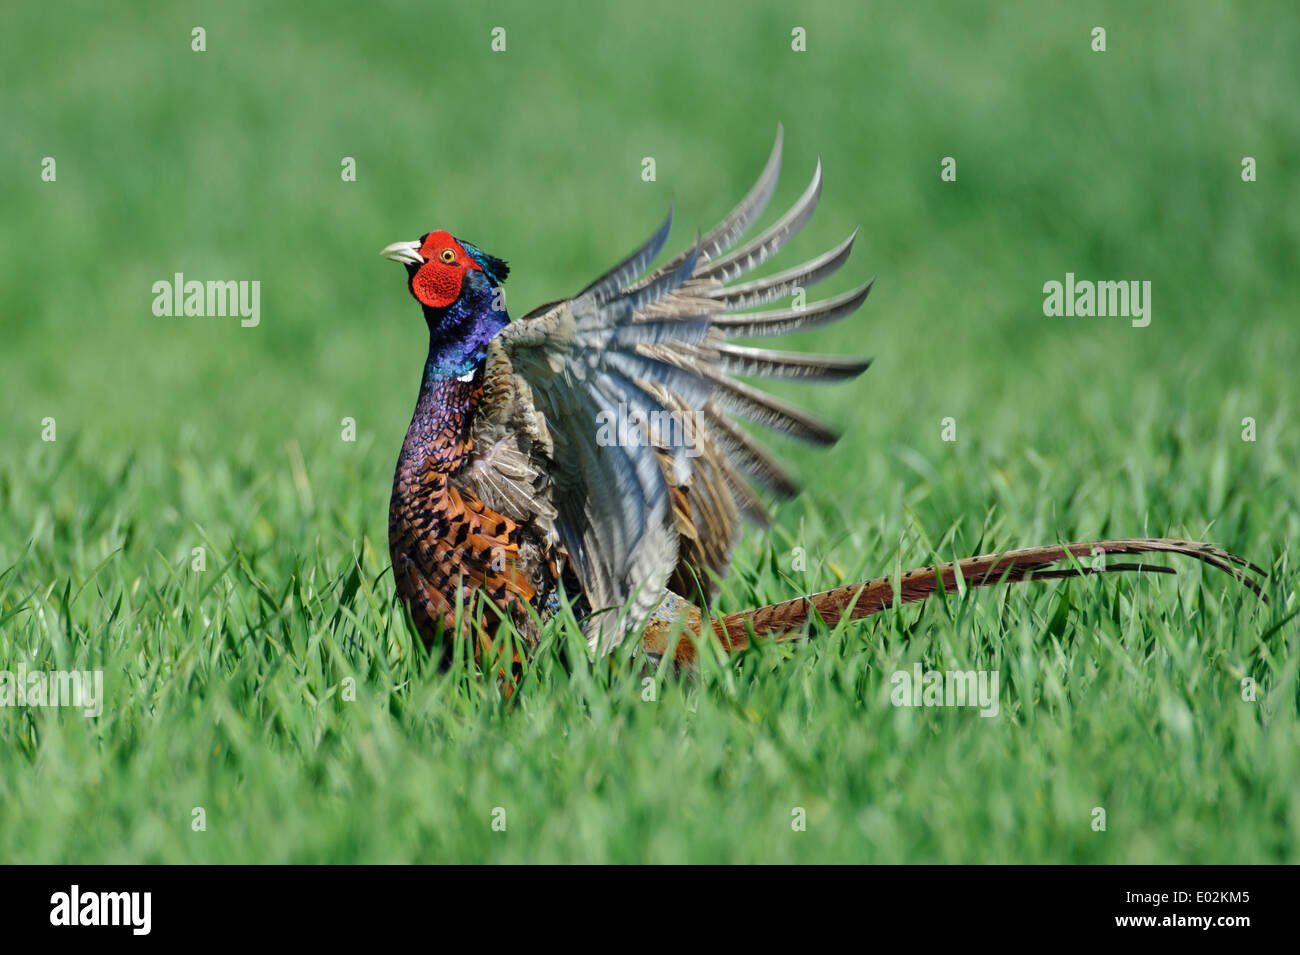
{"points": [[496, 269]]}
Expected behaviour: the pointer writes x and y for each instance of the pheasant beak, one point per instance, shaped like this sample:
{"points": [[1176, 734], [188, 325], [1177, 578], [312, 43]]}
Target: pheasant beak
{"points": [[408, 253]]}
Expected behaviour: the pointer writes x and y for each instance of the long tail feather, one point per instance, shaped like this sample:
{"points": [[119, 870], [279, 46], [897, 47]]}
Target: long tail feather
{"points": [[855, 601]]}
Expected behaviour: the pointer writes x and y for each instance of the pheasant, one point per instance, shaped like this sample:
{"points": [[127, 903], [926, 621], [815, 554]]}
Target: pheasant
{"points": [[587, 454]]}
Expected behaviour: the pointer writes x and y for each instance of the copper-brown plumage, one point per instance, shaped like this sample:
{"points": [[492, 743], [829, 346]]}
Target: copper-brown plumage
{"points": [[446, 545], [790, 618]]}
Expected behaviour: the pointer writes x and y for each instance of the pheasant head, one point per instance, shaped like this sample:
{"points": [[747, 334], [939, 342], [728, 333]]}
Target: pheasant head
{"points": [[459, 288]]}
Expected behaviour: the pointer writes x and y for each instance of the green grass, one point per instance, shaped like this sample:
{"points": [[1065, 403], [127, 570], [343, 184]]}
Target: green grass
{"points": [[225, 687]]}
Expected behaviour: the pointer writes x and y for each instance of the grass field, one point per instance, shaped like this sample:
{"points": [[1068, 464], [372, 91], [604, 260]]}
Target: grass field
{"points": [[225, 689]]}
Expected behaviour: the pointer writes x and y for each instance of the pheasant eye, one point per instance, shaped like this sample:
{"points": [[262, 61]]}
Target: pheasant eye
{"points": [[448, 256]]}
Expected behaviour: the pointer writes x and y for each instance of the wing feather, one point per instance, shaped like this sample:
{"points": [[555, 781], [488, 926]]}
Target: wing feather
{"points": [[639, 504]]}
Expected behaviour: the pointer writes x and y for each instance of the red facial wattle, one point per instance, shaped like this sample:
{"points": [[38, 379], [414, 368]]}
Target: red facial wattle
{"points": [[437, 282]]}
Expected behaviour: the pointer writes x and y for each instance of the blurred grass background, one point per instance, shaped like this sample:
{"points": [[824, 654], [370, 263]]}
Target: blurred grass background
{"points": [[185, 432]]}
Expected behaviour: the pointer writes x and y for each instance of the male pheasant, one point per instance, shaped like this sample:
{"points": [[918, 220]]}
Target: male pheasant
{"points": [[587, 452]]}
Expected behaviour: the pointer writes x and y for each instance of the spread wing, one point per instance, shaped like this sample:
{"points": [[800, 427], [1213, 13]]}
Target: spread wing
{"points": [[634, 381]]}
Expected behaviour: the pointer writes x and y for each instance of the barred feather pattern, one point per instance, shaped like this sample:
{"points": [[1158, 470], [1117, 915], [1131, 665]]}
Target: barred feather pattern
{"points": [[447, 545], [665, 632]]}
